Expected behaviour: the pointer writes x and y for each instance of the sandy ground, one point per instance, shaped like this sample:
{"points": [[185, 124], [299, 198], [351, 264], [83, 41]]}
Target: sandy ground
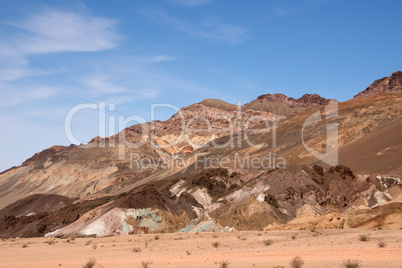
{"points": [[328, 248]]}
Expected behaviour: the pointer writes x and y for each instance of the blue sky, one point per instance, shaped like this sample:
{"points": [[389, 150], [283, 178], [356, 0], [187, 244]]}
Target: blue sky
{"points": [[57, 54]]}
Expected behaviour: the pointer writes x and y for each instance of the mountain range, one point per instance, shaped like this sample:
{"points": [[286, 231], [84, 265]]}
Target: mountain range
{"points": [[216, 166]]}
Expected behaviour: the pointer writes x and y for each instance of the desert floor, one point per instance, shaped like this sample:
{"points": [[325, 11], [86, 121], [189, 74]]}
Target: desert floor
{"points": [[324, 248]]}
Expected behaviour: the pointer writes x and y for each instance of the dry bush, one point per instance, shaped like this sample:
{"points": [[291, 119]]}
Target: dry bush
{"points": [[146, 264], [351, 264], [224, 264], [296, 262], [90, 264], [136, 249], [94, 246], [216, 244], [50, 242], [156, 237], [382, 244], [268, 242], [294, 237], [24, 246], [363, 237]]}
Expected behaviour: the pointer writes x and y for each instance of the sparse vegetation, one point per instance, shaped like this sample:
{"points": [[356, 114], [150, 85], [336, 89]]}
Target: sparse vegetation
{"points": [[88, 243], [382, 244], [68, 240], [224, 264], [146, 264], [136, 249], [294, 237], [50, 242], [216, 244], [90, 264], [296, 262], [94, 246], [351, 264], [24, 246], [268, 242], [363, 237], [156, 237]]}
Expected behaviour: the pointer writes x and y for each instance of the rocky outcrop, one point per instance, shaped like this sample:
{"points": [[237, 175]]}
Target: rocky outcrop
{"points": [[389, 84], [281, 104]]}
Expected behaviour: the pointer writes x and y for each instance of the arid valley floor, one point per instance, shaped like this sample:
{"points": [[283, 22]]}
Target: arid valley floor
{"points": [[323, 248]]}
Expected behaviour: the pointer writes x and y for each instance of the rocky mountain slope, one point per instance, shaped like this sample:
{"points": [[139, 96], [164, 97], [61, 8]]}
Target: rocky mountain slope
{"points": [[281, 104], [234, 168], [389, 84]]}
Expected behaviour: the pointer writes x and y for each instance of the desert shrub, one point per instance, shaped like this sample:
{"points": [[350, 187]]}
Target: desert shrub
{"points": [[294, 237], [363, 237], [224, 264], [68, 240], [268, 242], [146, 264], [296, 262], [94, 246], [351, 264], [50, 242], [382, 244], [136, 249], [90, 264], [156, 237], [24, 245], [216, 244]]}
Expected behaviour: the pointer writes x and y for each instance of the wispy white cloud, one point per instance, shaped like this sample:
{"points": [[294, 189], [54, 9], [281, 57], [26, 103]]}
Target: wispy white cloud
{"points": [[160, 58], [12, 95], [101, 84], [59, 31], [210, 28], [191, 2], [49, 32]]}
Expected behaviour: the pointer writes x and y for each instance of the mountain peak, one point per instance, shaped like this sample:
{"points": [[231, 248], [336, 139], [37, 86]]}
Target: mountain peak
{"points": [[388, 84], [215, 103], [281, 104]]}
